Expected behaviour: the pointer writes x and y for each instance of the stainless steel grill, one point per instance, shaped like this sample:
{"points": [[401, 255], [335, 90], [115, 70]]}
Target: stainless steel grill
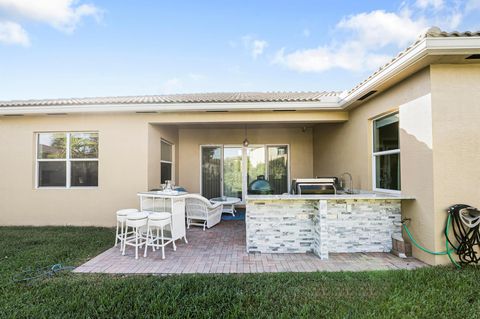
{"points": [[319, 185]]}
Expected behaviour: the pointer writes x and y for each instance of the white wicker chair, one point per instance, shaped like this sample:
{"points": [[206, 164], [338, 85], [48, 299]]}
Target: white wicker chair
{"points": [[200, 212]]}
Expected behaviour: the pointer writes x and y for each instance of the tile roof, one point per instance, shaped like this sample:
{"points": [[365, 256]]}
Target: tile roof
{"points": [[435, 32], [232, 97]]}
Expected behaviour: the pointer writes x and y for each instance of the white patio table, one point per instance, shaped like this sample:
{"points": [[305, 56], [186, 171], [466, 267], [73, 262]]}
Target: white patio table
{"points": [[164, 201], [228, 203]]}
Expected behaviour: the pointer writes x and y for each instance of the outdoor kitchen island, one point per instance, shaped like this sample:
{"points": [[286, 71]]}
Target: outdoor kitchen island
{"points": [[322, 224]]}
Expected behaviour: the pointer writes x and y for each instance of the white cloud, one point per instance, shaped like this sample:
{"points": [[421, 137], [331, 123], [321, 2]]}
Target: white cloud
{"points": [[435, 4], [382, 28], [361, 49], [349, 56], [13, 33], [447, 14], [454, 20], [64, 15], [367, 40], [256, 47]]}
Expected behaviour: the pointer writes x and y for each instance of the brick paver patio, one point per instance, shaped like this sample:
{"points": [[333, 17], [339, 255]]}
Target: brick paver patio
{"points": [[221, 249]]}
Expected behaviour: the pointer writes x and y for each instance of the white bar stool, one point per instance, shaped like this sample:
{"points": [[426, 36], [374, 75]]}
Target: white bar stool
{"points": [[121, 218], [135, 221], [158, 221]]}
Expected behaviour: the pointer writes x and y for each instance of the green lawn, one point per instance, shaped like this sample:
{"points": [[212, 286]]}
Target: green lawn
{"points": [[428, 293]]}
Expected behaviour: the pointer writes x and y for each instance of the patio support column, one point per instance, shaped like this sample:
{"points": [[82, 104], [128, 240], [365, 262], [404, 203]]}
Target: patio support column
{"points": [[320, 244]]}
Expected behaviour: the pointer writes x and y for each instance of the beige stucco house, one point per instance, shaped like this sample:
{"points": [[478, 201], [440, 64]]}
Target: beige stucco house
{"points": [[411, 128]]}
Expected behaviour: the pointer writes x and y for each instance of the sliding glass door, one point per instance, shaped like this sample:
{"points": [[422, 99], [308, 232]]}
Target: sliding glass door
{"points": [[227, 170], [211, 171], [255, 159], [278, 168], [232, 171]]}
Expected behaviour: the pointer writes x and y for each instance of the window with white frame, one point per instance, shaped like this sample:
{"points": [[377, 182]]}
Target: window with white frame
{"points": [[67, 159], [386, 153], [166, 161]]}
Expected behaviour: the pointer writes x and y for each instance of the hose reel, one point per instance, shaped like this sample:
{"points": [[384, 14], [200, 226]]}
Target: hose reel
{"points": [[466, 231], [464, 220], [470, 216]]}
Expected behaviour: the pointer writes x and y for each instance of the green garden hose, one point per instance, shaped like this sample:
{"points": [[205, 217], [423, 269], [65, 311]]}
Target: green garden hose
{"points": [[448, 250], [32, 274], [447, 243]]}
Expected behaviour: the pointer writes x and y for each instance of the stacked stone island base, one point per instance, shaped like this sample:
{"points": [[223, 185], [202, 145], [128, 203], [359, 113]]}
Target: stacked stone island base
{"points": [[291, 224]]}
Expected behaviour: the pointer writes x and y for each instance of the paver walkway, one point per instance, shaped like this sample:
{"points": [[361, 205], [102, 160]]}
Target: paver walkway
{"points": [[221, 249]]}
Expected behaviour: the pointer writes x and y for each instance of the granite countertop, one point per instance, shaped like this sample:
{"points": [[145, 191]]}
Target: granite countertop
{"points": [[359, 194]]}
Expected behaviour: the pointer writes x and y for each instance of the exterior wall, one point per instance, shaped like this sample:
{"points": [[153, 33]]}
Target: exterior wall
{"points": [[439, 142], [155, 134], [129, 161], [122, 171], [322, 226], [416, 160], [348, 147], [190, 140], [456, 141]]}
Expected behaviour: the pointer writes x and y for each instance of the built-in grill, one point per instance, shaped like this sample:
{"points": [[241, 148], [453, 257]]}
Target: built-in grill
{"points": [[319, 185]]}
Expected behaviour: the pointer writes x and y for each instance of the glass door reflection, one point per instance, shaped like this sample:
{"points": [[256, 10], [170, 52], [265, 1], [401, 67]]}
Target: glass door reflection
{"points": [[232, 171], [278, 168], [255, 164], [211, 171]]}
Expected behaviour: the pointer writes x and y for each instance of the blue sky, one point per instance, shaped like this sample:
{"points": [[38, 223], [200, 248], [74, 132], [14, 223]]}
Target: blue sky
{"points": [[67, 48]]}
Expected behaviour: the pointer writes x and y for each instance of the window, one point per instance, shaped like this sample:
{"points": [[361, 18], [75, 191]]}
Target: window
{"points": [[67, 159], [386, 154], [166, 161]]}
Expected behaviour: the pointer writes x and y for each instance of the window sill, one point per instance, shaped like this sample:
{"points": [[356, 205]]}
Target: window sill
{"points": [[387, 191]]}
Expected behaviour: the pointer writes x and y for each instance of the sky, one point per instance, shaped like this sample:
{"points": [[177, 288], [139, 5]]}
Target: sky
{"points": [[86, 48]]}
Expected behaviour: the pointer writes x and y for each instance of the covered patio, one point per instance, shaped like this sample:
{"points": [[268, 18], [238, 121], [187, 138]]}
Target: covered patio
{"points": [[222, 159], [222, 249]]}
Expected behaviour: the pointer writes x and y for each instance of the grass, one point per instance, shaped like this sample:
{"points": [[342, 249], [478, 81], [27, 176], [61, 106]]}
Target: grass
{"points": [[423, 293]]}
